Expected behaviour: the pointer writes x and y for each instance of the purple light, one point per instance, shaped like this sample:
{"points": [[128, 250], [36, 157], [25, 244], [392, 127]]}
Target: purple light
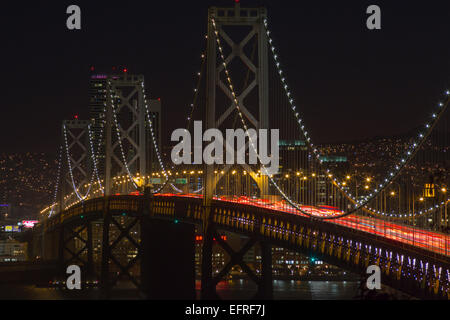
{"points": [[99, 76]]}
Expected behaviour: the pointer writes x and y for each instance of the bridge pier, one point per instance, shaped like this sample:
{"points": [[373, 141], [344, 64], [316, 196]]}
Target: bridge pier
{"points": [[90, 252], [209, 282], [208, 289], [168, 260], [265, 286], [61, 246], [48, 246], [72, 245], [106, 252]]}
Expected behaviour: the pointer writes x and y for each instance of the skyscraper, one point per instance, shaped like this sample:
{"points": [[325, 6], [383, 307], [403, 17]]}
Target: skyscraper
{"points": [[97, 102]]}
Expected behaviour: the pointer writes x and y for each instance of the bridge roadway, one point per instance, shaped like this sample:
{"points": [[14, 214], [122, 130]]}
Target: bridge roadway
{"points": [[430, 240], [411, 259]]}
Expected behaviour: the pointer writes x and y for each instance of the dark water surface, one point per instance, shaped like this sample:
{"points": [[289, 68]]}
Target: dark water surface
{"points": [[227, 290]]}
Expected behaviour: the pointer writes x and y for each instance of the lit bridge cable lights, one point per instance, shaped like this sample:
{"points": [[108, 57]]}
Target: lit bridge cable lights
{"points": [[192, 106], [154, 142], [393, 173], [69, 164], [94, 154], [238, 109], [58, 176], [119, 138]]}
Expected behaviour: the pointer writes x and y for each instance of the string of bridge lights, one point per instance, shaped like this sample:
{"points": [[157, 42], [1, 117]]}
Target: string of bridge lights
{"points": [[196, 90], [94, 157], [402, 216], [119, 136], [175, 188], [155, 144], [95, 163], [79, 201], [411, 150], [69, 163], [58, 176], [236, 103], [75, 202], [198, 191], [194, 101], [193, 105], [361, 204], [181, 191], [164, 172]]}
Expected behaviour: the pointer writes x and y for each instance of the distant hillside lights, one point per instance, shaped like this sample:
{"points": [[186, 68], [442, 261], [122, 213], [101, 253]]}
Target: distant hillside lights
{"points": [[213, 152]]}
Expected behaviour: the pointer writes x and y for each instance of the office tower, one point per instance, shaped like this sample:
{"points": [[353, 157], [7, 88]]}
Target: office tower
{"points": [[97, 102]]}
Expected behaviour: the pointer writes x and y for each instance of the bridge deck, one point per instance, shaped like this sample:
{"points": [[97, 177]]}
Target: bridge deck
{"points": [[429, 240]]}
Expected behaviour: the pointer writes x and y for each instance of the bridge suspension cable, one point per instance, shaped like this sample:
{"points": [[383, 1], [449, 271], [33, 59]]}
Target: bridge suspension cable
{"points": [[393, 173], [94, 154], [252, 143], [154, 142], [58, 178], [69, 164], [119, 138], [94, 159], [197, 88], [192, 108]]}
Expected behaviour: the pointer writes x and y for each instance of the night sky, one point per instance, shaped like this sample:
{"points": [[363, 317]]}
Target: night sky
{"points": [[349, 82]]}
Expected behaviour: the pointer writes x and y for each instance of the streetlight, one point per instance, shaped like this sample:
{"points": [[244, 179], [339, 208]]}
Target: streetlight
{"points": [[393, 194]]}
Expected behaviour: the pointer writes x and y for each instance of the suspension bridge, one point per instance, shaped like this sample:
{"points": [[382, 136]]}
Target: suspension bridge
{"points": [[119, 201]]}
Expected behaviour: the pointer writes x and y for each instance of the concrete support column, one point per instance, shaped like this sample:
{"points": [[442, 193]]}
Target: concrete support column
{"points": [[168, 260], [265, 287], [61, 246], [90, 256], [208, 289], [104, 276]]}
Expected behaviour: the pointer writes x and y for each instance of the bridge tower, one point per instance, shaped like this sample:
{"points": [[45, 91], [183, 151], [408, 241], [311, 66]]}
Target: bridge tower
{"points": [[125, 129], [252, 21], [77, 150], [73, 244], [249, 19]]}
